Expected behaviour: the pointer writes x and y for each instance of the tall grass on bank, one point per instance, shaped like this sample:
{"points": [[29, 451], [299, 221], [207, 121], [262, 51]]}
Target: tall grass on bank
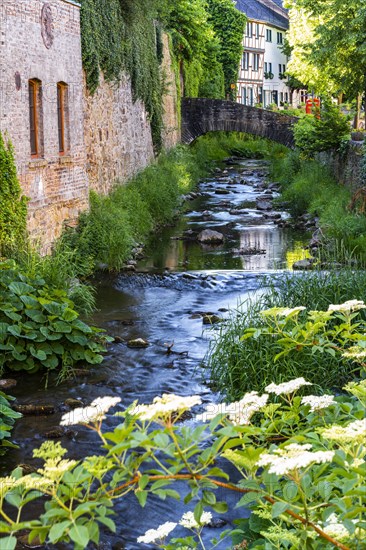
{"points": [[307, 186], [235, 367], [116, 223]]}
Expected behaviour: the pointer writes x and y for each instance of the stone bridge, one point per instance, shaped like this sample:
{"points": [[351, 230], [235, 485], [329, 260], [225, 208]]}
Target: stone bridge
{"points": [[200, 116]]}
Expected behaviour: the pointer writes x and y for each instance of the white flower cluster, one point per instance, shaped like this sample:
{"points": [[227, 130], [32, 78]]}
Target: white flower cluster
{"points": [[355, 352], [292, 457], [287, 387], [281, 311], [92, 413], [189, 521], [160, 533], [348, 307], [333, 528], [355, 432], [239, 412], [165, 406], [318, 402]]}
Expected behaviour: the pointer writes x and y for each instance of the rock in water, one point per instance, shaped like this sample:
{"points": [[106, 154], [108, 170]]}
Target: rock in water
{"points": [[304, 264], [208, 236], [7, 384], [138, 343], [211, 319]]}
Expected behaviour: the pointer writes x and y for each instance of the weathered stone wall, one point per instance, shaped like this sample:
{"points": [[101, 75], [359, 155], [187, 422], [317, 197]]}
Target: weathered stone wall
{"points": [[200, 116], [117, 135], [171, 133], [346, 167], [49, 51]]}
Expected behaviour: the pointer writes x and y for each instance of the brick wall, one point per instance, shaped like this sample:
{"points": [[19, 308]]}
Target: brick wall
{"points": [[346, 167], [49, 51], [171, 133]]}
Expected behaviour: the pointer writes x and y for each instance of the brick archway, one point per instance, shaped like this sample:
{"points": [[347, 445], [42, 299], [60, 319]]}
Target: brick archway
{"points": [[200, 116]]}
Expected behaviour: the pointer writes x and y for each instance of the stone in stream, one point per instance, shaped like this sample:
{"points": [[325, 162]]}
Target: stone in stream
{"points": [[211, 319], [35, 410], [222, 191], [249, 251], [7, 384], [73, 403], [305, 265], [208, 236], [264, 205], [138, 343]]}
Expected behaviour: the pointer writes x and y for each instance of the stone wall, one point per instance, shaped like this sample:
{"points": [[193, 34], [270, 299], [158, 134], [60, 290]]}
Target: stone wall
{"points": [[346, 167], [41, 40], [171, 116], [200, 116], [117, 135]]}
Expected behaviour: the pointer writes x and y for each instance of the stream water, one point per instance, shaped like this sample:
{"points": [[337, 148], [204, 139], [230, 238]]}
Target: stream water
{"points": [[163, 302]]}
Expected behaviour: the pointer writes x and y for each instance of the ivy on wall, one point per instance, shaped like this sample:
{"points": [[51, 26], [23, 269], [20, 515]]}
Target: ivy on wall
{"points": [[122, 35], [13, 206]]}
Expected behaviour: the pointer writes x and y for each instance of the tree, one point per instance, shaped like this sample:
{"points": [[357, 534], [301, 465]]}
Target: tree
{"points": [[228, 24], [336, 46]]}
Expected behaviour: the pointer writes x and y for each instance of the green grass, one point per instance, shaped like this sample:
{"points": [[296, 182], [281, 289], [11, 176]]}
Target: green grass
{"points": [[234, 367], [307, 186]]}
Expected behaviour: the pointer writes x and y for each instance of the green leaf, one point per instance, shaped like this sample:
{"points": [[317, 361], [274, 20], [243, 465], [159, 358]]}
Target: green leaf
{"points": [[108, 523], [8, 543], [80, 535], [198, 511], [278, 508], [21, 288], [57, 530], [141, 497], [144, 481]]}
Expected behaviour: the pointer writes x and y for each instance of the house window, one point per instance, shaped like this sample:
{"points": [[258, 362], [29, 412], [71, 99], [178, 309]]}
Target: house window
{"points": [[249, 29], [279, 69], [255, 61], [62, 97], [245, 61], [266, 67], [257, 31], [268, 35], [250, 90], [35, 117], [283, 69], [244, 96], [279, 38]]}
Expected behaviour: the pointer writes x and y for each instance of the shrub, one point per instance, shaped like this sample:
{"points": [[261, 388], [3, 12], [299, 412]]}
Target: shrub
{"points": [[261, 345], [313, 134], [39, 327], [299, 466], [13, 206], [7, 418]]}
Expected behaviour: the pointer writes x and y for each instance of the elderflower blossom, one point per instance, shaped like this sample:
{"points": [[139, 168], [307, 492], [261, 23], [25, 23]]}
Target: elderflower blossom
{"points": [[292, 457], [31, 482], [355, 352], [333, 528], [92, 413], [6, 484], [282, 311], [239, 412], [165, 406], [188, 520], [55, 468], [160, 533], [317, 403], [347, 307], [355, 432], [287, 387]]}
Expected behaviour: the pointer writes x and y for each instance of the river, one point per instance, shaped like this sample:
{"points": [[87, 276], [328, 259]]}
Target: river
{"points": [[163, 302]]}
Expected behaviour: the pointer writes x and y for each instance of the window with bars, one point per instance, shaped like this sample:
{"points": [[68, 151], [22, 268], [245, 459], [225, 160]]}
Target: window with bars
{"points": [[268, 35], [249, 29], [245, 61], [279, 38], [255, 61]]}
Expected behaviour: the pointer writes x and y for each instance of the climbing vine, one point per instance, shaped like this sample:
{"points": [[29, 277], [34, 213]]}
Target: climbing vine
{"points": [[122, 36], [13, 206]]}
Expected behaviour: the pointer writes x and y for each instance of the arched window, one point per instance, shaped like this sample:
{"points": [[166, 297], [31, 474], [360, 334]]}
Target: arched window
{"points": [[62, 117], [35, 117]]}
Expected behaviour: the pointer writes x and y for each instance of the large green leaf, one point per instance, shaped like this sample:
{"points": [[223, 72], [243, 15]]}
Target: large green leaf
{"points": [[21, 288]]}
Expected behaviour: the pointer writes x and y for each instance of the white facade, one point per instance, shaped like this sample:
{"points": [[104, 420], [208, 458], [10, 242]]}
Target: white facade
{"points": [[262, 80]]}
